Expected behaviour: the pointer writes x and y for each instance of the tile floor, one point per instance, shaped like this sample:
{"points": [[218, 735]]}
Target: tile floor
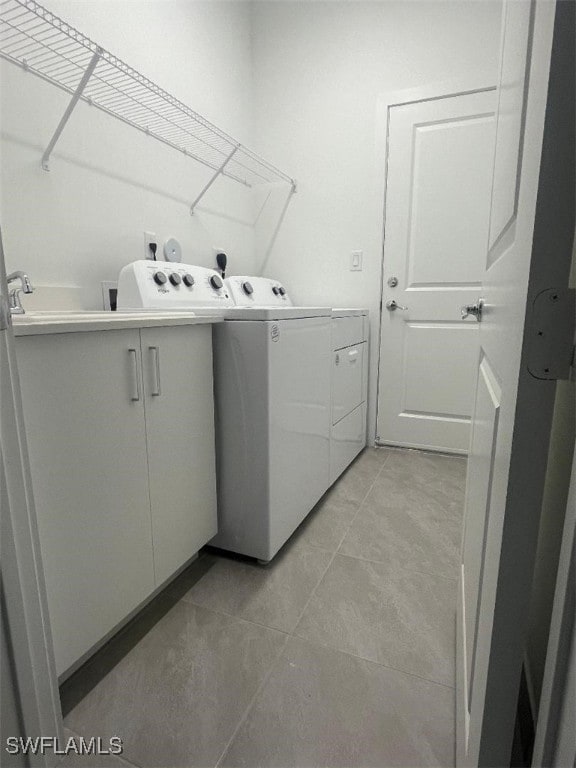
{"points": [[339, 653]]}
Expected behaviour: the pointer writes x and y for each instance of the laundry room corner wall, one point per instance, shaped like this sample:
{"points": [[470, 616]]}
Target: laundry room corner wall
{"points": [[78, 224], [320, 69]]}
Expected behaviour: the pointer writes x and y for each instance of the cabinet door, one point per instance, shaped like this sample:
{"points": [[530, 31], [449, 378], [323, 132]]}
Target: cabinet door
{"points": [[87, 443], [180, 426]]}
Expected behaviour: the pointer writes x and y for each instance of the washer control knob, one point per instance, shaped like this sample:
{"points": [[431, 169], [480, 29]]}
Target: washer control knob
{"points": [[188, 280], [159, 278], [282, 291], [216, 282], [175, 278], [247, 288], [276, 290]]}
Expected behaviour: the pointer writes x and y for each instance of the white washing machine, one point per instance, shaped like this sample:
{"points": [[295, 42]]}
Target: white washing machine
{"points": [[147, 285], [272, 379]]}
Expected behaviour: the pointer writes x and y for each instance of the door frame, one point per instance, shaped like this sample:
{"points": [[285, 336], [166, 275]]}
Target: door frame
{"points": [[440, 89], [25, 619], [551, 721]]}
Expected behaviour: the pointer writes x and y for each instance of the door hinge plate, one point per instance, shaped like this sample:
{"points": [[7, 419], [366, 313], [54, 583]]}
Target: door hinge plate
{"points": [[551, 350]]}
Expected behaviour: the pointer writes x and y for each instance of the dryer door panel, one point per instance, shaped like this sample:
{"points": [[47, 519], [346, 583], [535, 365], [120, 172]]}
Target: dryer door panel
{"points": [[347, 380], [347, 331], [348, 439]]}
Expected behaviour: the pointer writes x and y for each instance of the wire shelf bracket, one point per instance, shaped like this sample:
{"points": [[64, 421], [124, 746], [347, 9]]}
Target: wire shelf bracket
{"points": [[41, 43], [213, 179], [66, 116]]}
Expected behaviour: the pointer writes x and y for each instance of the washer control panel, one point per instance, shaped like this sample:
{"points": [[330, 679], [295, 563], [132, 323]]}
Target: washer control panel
{"points": [[170, 286], [250, 291]]}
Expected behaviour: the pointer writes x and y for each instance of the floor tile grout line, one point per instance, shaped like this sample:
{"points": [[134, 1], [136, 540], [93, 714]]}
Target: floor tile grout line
{"points": [[337, 552], [401, 566], [337, 549], [252, 702], [312, 593], [361, 504], [371, 661], [234, 616]]}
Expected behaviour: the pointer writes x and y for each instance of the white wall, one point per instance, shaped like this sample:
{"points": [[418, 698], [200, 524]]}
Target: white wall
{"points": [[319, 70], [299, 81], [79, 223]]}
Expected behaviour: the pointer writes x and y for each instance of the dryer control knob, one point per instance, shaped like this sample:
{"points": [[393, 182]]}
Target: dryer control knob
{"points": [[216, 282], [247, 288], [159, 278], [282, 291], [188, 280], [276, 290], [175, 278]]}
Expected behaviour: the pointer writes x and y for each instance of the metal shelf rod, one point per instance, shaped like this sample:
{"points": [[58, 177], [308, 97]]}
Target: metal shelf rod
{"points": [[213, 179], [69, 109]]}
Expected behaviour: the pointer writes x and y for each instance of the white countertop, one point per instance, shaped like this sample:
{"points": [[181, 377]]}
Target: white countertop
{"points": [[37, 323], [349, 311]]}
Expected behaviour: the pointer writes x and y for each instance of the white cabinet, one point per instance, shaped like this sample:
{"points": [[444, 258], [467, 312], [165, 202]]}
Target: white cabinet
{"points": [[121, 440], [177, 364]]}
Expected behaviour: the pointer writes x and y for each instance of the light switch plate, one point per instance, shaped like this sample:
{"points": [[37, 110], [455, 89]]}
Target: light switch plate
{"points": [[356, 261]]}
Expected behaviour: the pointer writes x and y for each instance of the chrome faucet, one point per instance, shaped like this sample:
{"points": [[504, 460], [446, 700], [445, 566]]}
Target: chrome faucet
{"points": [[25, 286]]}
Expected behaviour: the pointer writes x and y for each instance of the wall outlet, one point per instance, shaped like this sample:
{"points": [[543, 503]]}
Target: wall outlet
{"points": [[356, 261], [150, 237]]}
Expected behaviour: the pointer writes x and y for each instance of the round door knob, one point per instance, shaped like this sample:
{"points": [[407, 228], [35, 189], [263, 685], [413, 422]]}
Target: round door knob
{"points": [[175, 278], [159, 278], [188, 280], [282, 291], [276, 290], [216, 282], [247, 288]]}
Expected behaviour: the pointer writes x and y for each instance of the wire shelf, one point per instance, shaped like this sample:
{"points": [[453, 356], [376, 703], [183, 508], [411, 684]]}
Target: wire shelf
{"points": [[40, 42]]}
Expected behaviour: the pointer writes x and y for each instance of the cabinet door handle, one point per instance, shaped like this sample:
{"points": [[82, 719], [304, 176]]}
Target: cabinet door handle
{"points": [[155, 361], [135, 378]]}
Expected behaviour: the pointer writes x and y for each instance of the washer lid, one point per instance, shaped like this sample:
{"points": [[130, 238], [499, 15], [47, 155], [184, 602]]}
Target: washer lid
{"points": [[276, 313]]}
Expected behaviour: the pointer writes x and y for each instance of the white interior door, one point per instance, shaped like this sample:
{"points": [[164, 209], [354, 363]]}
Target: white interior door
{"points": [[439, 174], [513, 410]]}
